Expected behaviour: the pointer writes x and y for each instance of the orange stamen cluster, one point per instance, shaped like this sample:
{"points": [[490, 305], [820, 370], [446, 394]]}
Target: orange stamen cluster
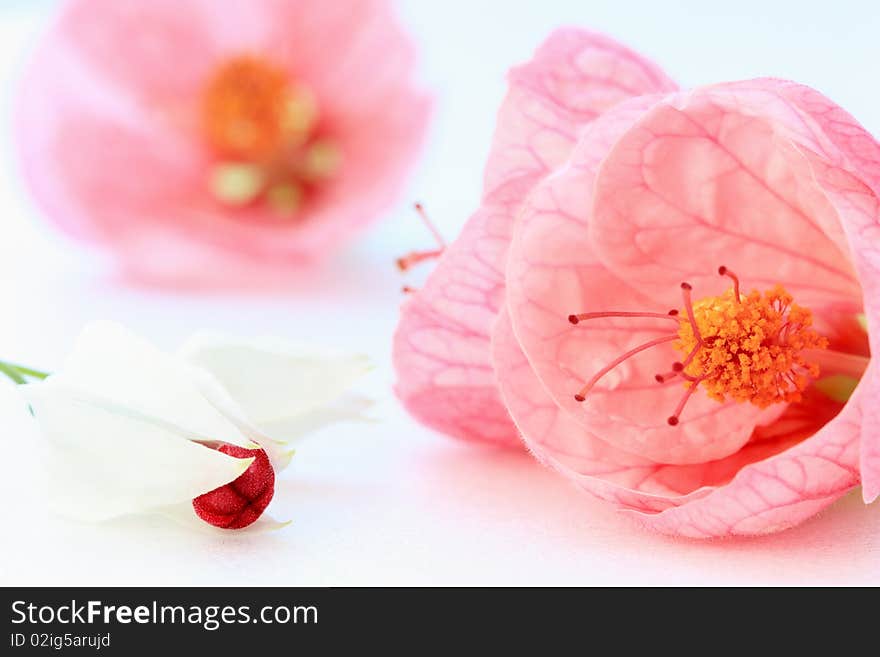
{"points": [[750, 349], [745, 348], [264, 130]]}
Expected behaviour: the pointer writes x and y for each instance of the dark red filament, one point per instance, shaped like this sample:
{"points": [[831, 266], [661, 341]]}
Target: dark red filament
{"points": [[678, 367], [410, 260], [724, 271]]}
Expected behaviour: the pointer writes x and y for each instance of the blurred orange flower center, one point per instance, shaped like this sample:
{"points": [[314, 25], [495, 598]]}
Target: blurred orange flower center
{"points": [[265, 131]]}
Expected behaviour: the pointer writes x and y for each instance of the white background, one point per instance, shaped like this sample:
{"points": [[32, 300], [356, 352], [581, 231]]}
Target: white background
{"points": [[393, 503]]}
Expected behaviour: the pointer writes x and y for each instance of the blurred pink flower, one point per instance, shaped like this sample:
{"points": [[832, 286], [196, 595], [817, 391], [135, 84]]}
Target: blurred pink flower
{"points": [[203, 142], [653, 200]]}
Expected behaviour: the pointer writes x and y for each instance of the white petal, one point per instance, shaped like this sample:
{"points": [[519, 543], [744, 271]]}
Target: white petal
{"points": [[106, 461], [348, 408], [111, 363], [271, 379], [279, 451]]}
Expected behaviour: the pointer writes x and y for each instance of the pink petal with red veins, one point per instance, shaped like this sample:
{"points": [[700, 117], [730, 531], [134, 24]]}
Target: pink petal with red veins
{"points": [[441, 348], [844, 159], [441, 342], [553, 271], [846, 163], [696, 184], [573, 78], [558, 440], [780, 491]]}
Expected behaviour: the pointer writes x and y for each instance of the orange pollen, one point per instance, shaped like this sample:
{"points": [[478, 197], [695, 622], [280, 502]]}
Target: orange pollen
{"points": [[750, 349], [244, 106]]}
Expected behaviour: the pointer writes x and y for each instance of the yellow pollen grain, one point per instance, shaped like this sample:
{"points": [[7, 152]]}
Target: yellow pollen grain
{"points": [[752, 348]]}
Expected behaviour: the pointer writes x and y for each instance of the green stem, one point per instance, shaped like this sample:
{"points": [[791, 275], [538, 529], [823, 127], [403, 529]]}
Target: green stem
{"points": [[21, 374]]}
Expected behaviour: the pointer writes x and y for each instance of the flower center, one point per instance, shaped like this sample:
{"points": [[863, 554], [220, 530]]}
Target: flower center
{"points": [[746, 348], [750, 348], [266, 134], [240, 502]]}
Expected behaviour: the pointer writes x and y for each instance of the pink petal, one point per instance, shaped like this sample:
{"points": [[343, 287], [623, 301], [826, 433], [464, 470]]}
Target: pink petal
{"points": [[441, 342], [136, 46], [441, 348], [846, 162], [773, 483], [379, 144], [96, 169], [553, 272], [558, 440], [705, 180], [844, 159], [778, 492], [353, 81], [573, 78]]}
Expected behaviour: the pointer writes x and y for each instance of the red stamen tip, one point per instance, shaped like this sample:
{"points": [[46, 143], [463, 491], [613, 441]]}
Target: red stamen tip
{"points": [[573, 319], [686, 286], [673, 312], [659, 378], [672, 421], [722, 270], [579, 398], [406, 289], [677, 366]]}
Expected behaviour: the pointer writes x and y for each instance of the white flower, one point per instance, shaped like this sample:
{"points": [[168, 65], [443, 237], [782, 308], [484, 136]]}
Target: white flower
{"points": [[131, 429]]}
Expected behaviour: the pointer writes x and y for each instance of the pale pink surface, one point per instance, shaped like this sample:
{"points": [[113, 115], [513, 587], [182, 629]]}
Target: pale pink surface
{"points": [[441, 347], [765, 176], [107, 128]]}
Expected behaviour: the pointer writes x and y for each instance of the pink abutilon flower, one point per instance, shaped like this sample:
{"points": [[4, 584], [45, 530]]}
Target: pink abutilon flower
{"points": [[441, 348], [701, 404], [200, 141]]}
